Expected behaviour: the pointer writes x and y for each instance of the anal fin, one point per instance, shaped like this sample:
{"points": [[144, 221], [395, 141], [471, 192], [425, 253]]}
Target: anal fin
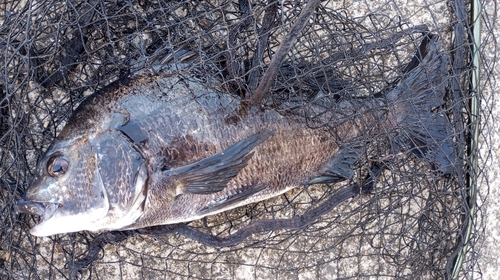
{"points": [[340, 167]]}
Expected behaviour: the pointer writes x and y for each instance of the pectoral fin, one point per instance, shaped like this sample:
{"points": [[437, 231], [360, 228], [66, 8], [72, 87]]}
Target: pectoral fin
{"points": [[212, 174]]}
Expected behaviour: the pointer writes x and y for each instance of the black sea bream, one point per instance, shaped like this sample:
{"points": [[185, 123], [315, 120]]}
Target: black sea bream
{"points": [[162, 148]]}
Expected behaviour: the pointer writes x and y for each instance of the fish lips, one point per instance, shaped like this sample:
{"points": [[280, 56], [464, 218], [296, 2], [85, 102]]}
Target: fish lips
{"points": [[43, 209]]}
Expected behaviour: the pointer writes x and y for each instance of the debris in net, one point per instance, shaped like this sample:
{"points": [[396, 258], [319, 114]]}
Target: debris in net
{"points": [[261, 46], [234, 70], [285, 46]]}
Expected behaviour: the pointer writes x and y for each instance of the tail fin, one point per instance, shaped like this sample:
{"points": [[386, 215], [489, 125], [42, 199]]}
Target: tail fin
{"points": [[416, 101]]}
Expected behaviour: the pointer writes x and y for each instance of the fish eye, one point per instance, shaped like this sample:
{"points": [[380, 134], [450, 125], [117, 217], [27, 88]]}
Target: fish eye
{"points": [[57, 165]]}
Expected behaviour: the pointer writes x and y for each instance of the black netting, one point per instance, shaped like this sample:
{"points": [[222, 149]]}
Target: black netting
{"points": [[413, 222]]}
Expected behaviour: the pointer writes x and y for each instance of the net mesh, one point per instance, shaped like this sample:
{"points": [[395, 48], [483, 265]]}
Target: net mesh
{"points": [[413, 223]]}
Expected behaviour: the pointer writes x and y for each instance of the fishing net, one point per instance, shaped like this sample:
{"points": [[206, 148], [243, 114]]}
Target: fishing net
{"points": [[408, 221]]}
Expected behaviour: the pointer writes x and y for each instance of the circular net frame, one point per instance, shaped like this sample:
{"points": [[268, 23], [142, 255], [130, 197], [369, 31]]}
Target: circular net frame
{"points": [[413, 224]]}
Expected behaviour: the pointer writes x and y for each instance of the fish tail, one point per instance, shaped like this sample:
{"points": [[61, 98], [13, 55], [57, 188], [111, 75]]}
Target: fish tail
{"points": [[416, 111]]}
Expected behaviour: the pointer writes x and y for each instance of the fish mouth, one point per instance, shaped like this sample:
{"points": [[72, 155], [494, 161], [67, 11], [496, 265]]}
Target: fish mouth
{"points": [[43, 209]]}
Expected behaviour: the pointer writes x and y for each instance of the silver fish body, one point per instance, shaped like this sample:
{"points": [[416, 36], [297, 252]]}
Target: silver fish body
{"points": [[162, 148]]}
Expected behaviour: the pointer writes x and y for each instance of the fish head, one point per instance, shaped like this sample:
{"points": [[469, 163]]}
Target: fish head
{"points": [[67, 190]]}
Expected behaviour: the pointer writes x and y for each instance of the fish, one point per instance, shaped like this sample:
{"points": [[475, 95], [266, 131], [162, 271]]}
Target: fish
{"points": [[164, 147]]}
